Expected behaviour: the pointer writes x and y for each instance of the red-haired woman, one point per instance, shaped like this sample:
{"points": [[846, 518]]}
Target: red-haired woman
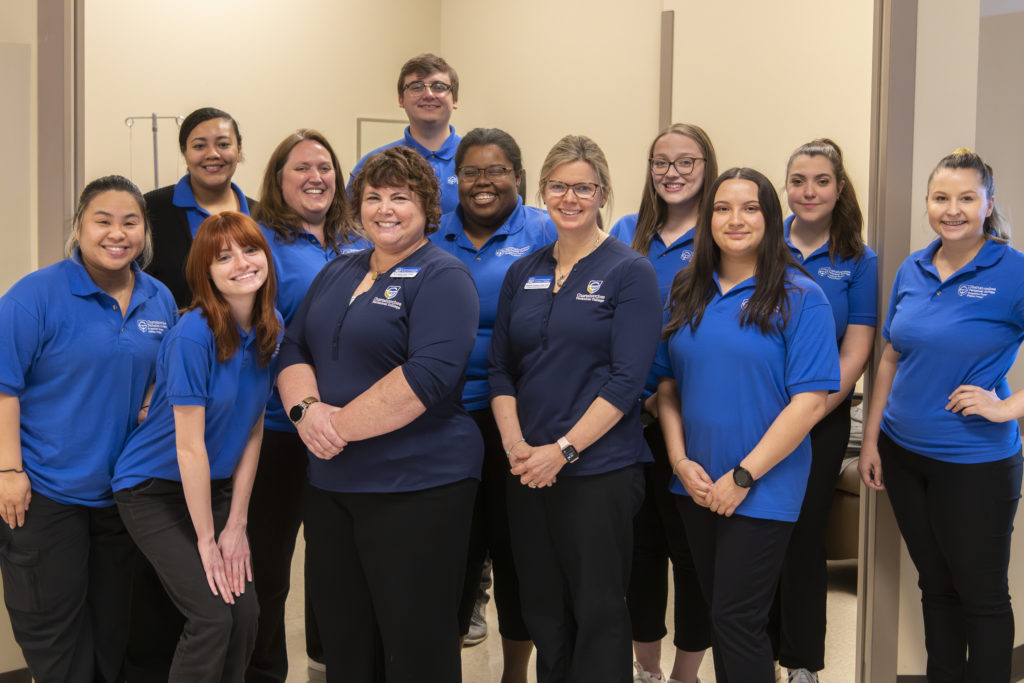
{"points": [[182, 482]]}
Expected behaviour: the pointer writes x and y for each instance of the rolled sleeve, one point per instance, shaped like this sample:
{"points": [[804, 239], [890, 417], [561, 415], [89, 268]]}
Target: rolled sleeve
{"points": [[20, 338], [188, 372], [812, 355], [863, 295]]}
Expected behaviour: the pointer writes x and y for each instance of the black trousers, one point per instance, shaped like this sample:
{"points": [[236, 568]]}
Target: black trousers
{"points": [[573, 545], [67, 586], [490, 536], [387, 571], [217, 640], [738, 561], [957, 520], [275, 514], [659, 534], [797, 625]]}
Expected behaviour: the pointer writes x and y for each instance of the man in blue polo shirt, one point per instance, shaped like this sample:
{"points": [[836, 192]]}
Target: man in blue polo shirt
{"points": [[428, 91]]}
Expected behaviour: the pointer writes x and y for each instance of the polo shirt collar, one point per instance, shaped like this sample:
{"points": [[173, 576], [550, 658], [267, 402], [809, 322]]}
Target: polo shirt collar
{"points": [[447, 151], [453, 229], [185, 198], [796, 252], [991, 253]]}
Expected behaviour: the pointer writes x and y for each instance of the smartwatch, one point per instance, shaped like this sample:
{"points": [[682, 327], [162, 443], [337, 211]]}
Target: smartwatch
{"points": [[298, 411], [742, 478], [568, 450]]}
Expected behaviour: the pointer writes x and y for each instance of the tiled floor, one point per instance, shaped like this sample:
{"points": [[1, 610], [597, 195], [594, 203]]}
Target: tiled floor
{"points": [[482, 663]]}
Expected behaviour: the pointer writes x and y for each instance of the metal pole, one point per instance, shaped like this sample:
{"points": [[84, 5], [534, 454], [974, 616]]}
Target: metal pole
{"points": [[156, 155]]}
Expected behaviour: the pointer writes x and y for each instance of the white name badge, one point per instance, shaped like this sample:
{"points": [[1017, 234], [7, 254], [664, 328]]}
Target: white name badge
{"points": [[405, 272], [538, 283]]}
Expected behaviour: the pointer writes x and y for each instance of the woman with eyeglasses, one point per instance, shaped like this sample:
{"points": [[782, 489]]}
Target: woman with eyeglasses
{"points": [[488, 232], [682, 165], [574, 337]]}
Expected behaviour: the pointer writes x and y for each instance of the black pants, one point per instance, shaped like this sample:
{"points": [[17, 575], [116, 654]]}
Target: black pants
{"points": [[573, 544], [957, 520], [659, 534], [275, 513], [797, 624], [738, 561], [218, 638], [490, 536], [387, 571], [67, 586]]}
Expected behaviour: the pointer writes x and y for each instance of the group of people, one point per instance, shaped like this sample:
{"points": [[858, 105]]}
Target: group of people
{"points": [[424, 378]]}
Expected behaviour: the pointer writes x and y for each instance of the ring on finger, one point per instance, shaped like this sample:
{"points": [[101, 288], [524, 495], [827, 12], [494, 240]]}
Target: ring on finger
{"points": [[532, 485]]}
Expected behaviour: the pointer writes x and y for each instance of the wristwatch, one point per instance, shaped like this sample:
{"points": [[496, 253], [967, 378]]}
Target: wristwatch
{"points": [[742, 478], [568, 450], [298, 411]]}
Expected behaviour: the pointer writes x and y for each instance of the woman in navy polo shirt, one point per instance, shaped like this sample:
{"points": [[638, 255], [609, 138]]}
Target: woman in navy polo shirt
{"points": [[748, 358], [574, 338], [824, 235], [303, 213], [681, 167], [941, 430], [488, 232], [182, 482], [79, 342], [373, 366]]}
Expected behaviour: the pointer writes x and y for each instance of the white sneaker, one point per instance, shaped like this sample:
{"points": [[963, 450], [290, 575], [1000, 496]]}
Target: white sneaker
{"points": [[802, 676], [642, 676]]}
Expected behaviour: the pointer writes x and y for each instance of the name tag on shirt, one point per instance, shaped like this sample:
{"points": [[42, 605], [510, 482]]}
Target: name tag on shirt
{"points": [[538, 283], [405, 272]]}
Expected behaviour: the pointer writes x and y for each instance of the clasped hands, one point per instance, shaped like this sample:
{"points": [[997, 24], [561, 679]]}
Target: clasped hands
{"points": [[721, 497], [536, 466], [317, 431]]}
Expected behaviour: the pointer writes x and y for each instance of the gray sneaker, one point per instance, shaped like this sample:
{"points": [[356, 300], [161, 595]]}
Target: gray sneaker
{"points": [[802, 676], [477, 625]]}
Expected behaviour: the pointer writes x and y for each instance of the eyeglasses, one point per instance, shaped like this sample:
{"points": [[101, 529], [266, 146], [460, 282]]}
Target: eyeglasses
{"points": [[683, 165], [437, 87], [556, 188], [495, 172]]}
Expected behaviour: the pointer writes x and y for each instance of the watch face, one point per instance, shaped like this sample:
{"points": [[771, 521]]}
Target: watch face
{"points": [[296, 412], [742, 478], [570, 454]]}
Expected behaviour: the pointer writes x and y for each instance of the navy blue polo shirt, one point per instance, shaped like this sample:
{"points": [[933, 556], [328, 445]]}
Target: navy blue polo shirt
{"points": [[966, 330], [557, 352], [80, 371], [666, 259], [234, 394], [420, 316], [196, 214], [851, 285], [442, 161], [526, 230], [296, 264], [734, 380]]}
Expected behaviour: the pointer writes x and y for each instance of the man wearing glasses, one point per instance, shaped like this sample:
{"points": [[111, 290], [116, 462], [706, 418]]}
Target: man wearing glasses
{"points": [[428, 91]]}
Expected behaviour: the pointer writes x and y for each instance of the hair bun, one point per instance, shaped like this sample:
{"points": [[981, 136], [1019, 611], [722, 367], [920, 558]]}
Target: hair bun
{"points": [[962, 151]]}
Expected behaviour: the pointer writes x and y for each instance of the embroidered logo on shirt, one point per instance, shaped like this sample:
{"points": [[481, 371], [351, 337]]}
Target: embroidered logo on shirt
{"points": [[591, 294], [538, 283], [512, 251], [390, 293], [833, 274], [685, 255], [152, 326], [405, 272], [453, 180], [975, 291]]}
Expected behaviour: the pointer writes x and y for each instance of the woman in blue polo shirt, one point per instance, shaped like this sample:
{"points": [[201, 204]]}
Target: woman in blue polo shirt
{"points": [[373, 366], [824, 235], [303, 213], [79, 342], [681, 167], [748, 358], [574, 337], [489, 230], [941, 430], [182, 482]]}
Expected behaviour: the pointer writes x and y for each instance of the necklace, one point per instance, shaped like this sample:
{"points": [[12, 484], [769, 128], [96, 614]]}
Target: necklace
{"points": [[560, 279]]}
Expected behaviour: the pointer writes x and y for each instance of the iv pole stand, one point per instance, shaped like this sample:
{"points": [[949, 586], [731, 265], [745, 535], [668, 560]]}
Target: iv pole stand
{"points": [[130, 121]]}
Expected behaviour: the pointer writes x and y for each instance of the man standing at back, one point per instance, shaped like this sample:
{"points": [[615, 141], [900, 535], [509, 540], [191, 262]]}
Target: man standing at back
{"points": [[428, 91]]}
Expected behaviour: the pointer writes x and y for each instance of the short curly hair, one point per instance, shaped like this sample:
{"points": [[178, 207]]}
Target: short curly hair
{"points": [[395, 167]]}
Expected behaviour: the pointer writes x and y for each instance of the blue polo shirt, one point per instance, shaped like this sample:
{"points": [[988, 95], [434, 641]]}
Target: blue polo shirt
{"points": [[966, 330], [526, 230], [443, 162], [196, 214], [80, 371], [420, 316], [851, 285], [556, 353], [234, 394], [666, 259], [296, 264], [734, 381]]}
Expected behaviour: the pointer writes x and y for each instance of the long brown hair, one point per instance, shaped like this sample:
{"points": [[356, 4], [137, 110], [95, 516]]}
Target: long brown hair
{"points": [[653, 209], [213, 233], [694, 286]]}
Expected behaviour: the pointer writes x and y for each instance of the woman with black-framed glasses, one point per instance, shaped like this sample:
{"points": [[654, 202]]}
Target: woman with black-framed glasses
{"points": [[573, 341]]}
